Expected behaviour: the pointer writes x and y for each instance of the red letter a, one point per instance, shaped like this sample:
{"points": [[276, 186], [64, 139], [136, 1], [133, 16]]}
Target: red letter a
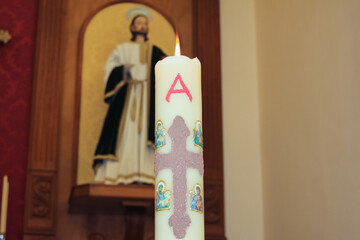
{"points": [[183, 90]]}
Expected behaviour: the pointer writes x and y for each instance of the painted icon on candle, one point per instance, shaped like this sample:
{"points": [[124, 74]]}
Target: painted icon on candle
{"points": [[162, 197], [198, 136], [160, 133], [196, 199]]}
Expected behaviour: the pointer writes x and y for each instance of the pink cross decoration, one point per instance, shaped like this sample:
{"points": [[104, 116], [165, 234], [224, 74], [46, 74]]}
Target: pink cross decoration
{"points": [[179, 160]]}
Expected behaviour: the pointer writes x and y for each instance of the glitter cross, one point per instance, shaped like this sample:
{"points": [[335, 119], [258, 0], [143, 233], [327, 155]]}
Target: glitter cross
{"points": [[179, 160]]}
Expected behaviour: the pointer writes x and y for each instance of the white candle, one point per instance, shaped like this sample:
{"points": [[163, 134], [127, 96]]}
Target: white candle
{"points": [[4, 204], [179, 180]]}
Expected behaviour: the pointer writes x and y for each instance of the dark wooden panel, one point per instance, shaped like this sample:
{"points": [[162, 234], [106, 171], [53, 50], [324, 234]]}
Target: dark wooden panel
{"points": [[207, 42], [208, 51], [110, 199]]}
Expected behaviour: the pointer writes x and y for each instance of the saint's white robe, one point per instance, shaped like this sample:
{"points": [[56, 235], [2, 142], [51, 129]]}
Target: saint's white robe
{"points": [[135, 156]]}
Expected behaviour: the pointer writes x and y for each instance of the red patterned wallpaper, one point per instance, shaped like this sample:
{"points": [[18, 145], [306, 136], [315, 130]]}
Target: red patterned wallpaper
{"points": [[16, 75]]}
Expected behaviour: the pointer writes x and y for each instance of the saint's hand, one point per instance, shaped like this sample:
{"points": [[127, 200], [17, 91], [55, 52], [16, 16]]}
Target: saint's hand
{"points": [[128, 66]]}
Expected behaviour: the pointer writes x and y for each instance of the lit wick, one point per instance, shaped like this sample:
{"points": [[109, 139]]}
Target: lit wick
{"points": [[177, 47]]}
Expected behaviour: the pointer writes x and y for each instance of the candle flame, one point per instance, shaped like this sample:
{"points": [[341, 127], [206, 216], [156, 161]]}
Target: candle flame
{"points": [[177, 48]]}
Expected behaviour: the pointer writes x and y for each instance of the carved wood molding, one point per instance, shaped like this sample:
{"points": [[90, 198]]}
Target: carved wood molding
{"points": [[212, 199], [41, 196], [46, 102], [41, 185], [39, 213], [214, 209]]}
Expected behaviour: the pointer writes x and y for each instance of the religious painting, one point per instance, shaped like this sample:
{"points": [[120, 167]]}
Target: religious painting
{"points": [[122, 44], [198, 135], [196, 199], [162, 197], [160, 132]]}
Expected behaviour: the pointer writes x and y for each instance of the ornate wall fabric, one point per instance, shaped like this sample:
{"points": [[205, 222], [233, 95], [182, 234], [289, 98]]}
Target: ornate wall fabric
{"points": [[16, 75]]}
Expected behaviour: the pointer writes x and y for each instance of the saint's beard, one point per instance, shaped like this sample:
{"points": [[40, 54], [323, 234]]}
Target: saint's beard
{"points": [[136, 33]]}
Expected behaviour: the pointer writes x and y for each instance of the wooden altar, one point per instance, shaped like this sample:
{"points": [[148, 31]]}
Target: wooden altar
{"points": [[55, 206]]}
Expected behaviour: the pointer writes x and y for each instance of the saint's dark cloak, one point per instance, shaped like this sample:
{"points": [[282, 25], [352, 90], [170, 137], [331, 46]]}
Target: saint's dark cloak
{"points": [[109, 134]]}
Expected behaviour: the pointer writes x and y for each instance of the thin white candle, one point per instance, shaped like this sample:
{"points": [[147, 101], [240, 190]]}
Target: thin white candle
{"points": [[178, 110], [4, 204]]}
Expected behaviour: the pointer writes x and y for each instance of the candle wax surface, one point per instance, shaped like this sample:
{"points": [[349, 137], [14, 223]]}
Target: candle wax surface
{"points": [[178, 93]]}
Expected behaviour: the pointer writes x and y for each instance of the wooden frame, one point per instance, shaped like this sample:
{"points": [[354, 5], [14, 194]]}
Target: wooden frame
{"points": [[51, 170]]}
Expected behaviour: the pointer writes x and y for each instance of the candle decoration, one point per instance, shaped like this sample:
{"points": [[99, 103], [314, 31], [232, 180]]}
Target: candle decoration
{"points": [[179, 161]]}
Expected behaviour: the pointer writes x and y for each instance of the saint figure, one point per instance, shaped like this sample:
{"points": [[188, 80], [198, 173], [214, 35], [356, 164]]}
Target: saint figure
{"points": [[162, 199], [125, 153], [159, 135], [196, 202], [198, 136]]}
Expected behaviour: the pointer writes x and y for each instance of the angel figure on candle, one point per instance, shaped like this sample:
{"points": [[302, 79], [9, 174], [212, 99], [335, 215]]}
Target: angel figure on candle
{"points": [[124, 152]]}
